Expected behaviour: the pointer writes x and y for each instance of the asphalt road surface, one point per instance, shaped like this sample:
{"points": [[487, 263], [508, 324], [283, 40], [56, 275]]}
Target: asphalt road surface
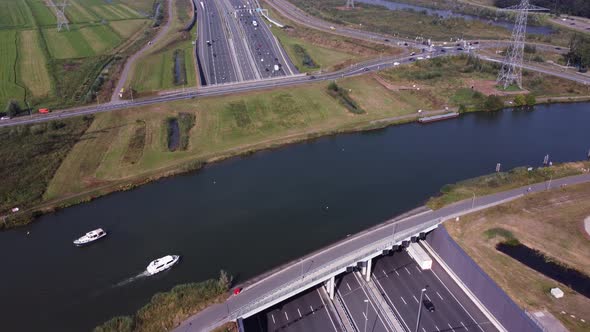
{"points": [[307, 311], [216, 59], [359, 304], [217, 314], [401, 279]]}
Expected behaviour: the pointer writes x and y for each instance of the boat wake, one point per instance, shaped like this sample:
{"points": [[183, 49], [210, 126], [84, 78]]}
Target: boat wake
{"points": [[132, 279]]}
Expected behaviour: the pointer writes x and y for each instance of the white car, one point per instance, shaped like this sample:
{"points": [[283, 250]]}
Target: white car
{"points": [[396, 63], [5, 118], [420, 58]]}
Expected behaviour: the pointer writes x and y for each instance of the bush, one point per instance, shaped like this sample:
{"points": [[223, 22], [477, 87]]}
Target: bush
{"points": [[493, 103], [530, 100], [13, 108], [519, 100]]}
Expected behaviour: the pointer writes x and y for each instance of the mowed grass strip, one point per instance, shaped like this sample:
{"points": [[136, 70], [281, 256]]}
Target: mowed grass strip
{"points": [[33, 65], [100, 38], [77, 13], [43, 15], [67, 44], [8, 53], [127, 28], [14, 13]]}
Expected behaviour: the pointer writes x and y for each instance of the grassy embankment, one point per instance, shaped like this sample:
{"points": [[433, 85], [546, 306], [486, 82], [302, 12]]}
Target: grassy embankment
{"points": [[129, 147], [311, 50], [550, 222], [502, 181], [48, 68], [30, 157], [155, 70], [411, 24], [167, 310]]}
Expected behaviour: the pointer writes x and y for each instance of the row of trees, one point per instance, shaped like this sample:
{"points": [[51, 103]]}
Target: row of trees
{"points": [[579, 53]]}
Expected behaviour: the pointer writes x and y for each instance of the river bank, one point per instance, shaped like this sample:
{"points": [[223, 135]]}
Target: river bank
{"points": [[111, 157], [228, 215]]}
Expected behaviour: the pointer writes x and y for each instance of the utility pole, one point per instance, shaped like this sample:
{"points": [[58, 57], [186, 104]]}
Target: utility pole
{"points": [[420, 308], [366, 313]]}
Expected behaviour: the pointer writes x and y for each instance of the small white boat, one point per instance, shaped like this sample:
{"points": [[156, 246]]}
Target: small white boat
{"points": [[162, 263], [90, 237]]}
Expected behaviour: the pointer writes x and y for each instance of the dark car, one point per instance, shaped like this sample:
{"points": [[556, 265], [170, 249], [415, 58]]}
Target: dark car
{"points": [[428, 305], [459, 48], [442, 50], [366, 69], [387, 40], [411, 59]]}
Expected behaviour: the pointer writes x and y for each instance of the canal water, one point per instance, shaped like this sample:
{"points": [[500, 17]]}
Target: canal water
{"points": [[391, 5], [247, 215]]}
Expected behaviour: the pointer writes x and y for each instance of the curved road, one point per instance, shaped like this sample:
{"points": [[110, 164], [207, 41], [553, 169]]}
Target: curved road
{"points": [[129, 63]]}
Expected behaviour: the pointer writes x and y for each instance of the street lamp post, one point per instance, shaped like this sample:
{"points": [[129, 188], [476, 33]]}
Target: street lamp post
{"points": [[366, 313], [420, 308]]}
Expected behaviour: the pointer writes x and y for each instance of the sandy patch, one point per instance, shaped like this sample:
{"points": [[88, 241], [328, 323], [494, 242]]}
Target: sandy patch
{"points": [[488, 87], [394, 87], [587, 225]]}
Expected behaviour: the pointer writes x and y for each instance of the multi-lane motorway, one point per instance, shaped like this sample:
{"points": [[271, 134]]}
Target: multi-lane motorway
{"points": [[237, 45]]}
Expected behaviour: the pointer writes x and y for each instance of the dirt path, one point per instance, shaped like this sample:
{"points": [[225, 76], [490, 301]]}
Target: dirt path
{"points": [[129, 63], [587, 225]]}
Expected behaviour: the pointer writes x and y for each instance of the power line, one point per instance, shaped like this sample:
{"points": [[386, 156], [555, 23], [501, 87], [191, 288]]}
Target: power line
{"points": [[60, 14]]}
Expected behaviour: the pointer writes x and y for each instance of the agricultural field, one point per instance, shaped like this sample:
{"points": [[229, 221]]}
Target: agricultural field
{"points": [[51, 68]]}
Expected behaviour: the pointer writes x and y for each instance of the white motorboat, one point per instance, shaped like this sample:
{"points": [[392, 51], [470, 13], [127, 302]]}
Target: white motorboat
{"points": [[162, 263], [90, 237]]}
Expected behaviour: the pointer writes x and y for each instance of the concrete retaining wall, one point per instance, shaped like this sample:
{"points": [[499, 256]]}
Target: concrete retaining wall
{"points": [[498, 303]]}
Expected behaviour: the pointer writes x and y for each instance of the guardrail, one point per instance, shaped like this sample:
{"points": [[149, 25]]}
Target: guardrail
{"points": [[322, 273]]}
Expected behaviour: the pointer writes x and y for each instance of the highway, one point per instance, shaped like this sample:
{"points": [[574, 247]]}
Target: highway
{"points": [[351, 289], [291, 273], [401, 279], [308, 311]]}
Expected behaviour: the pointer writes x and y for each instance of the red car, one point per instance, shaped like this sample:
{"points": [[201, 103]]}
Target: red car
{"points": [[237, 291], [44, 110]]}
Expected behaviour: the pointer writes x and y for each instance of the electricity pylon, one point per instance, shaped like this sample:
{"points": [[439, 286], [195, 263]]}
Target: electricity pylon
{"points": [[349, 3], [511, 72], [60, 14]]}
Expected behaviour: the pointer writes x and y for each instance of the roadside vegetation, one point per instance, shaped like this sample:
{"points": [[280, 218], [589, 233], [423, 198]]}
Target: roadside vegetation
{"points": [[502, 181], [327, 51], [169, 63], [551, 223], [342, 96], [167, 310], [127, 148], [30, 156], [41, 67]]}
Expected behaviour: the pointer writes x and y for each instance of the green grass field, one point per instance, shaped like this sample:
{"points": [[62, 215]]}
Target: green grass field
{"points": [[15, 13], [32, 65], [54, 68], [8, 55]]}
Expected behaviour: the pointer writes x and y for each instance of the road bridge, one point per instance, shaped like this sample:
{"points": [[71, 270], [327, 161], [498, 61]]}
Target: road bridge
{"points": [[323, 266]]}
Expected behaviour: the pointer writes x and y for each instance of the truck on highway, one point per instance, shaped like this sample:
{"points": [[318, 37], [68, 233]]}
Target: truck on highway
{"points": [[254, 23], [420, 256]]}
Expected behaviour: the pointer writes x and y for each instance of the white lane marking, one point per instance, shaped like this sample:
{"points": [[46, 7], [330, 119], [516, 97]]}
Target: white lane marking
{"points": [[286, 316], [423, 329], [365, 316], [356, 276], [437, 293], [417, 268], [396, 273], [311, 308], [325, 307], [391, 303], [299, 312], [473, 319], [437, 329], [407, 270], [406, 303], [465, 327], [385, 273], [348, 287], [452, 329], [273, 318], [414, 296], [428, 297], [347, 309]]}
